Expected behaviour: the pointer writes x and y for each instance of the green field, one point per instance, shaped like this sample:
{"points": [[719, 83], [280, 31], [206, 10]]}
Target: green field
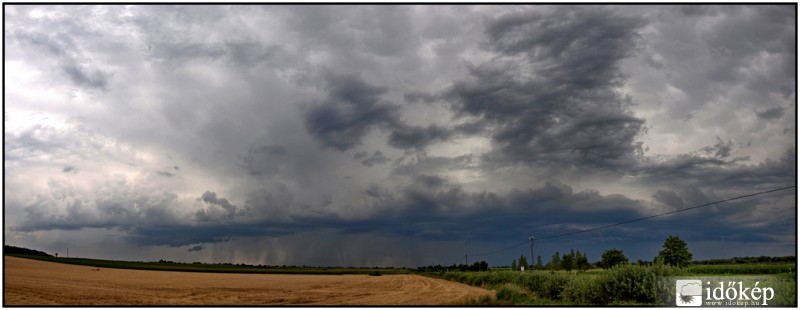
{"points": [[224, 268], [626, 285], [732, 269]]}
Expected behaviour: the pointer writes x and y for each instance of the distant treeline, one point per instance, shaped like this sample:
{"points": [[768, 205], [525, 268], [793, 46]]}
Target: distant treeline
{"points": [[747, 260], [10, 249], [476, 266]]}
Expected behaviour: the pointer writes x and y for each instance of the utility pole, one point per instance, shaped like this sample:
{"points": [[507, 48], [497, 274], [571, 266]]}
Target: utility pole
{"points": [[533, 258]]}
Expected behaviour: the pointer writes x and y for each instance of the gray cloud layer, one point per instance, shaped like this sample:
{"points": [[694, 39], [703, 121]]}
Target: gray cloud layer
{"points": [[194, 132]]}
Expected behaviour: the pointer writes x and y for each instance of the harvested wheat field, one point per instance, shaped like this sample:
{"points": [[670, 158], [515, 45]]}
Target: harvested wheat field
{"points": [[32, 282]]}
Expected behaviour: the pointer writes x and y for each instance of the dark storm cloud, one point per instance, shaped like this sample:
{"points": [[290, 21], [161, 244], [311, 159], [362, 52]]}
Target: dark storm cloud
{"points": [[377, 158], [413, 210], [180, 52], [713, 172], [86, 77], [434, 201], [196, 248], [416, 137], [669, 198], [351, 109], [719, 150], [261, 159], [227, 212], [434, 209], [165, 174], [67, 54], [430, 181], [771, 113], [559, 106], [433, 164], [418, 96]]}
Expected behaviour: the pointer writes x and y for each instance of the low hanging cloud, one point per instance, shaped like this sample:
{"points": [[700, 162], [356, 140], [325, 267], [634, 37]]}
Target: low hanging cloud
{"points": [[165, 174], [771, 113], [217, 209]]}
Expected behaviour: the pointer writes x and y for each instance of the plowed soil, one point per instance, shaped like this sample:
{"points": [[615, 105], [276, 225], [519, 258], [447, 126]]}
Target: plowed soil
{"points": [[32, 282]]}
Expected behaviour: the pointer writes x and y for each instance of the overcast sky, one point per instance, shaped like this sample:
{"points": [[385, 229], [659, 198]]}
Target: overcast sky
{"points": [[397, 135]]}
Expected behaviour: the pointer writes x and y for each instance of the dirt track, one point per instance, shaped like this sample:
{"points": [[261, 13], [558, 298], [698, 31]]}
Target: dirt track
{"points": [[32, 282]]}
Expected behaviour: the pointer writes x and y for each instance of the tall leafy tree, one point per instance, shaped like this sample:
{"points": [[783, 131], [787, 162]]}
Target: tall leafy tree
{"points": [[514, 265], [611, 258], [675, 252]]}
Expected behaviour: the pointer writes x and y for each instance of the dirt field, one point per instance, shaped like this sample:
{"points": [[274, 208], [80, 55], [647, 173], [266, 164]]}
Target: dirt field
{"points": [[32, 282]]}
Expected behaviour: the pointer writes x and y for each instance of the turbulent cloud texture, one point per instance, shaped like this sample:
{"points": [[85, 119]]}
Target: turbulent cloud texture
{"points": [[397, 135]]}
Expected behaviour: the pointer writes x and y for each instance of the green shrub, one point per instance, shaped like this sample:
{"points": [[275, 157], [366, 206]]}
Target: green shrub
{"points": [[585, 290], [622, 285], [534, 281], [553, 285], [512, 294], [637, 283]]}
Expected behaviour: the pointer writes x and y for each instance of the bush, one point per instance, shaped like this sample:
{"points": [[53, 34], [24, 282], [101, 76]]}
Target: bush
{"points": [[512, 294], [637, 283], [553, 285], [585, 291], [622, 285]]}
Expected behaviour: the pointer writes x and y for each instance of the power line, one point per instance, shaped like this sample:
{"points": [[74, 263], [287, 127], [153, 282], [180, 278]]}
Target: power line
{"points": [[662, 214], [631, 221], [502, 250]]}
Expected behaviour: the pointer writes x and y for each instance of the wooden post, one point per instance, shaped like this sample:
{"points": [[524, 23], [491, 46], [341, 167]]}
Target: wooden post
{"points": [[533, 258]]}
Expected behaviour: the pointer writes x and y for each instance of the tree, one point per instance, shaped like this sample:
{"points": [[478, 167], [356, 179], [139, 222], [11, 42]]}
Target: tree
{"points": [[479, 266], [539, 262], [555, 262], [581, 261], [567, 261], [523, 261], [611, 258], [514, 264], [675, 252]]}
